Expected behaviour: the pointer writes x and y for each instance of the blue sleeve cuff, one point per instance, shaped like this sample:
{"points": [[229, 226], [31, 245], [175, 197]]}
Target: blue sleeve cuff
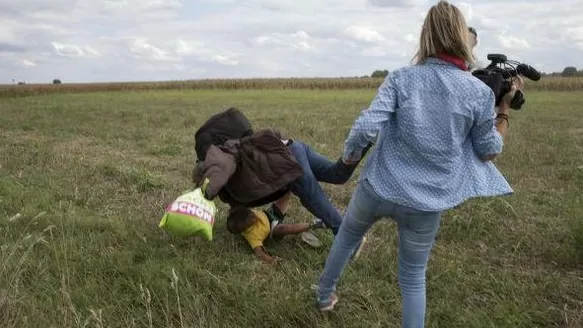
{"points": [[491, 145]]}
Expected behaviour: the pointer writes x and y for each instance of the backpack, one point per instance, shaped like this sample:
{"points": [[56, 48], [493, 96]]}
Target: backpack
{"points": [[228, 124], [225, 125]]}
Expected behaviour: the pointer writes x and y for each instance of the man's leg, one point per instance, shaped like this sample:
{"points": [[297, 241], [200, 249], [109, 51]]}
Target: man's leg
{"points": [[313, 198], [276, 213], [311, 194], [325, 170]]}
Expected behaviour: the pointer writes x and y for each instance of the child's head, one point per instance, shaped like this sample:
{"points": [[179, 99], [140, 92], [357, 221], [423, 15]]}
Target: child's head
{"points": [[239, 219]]}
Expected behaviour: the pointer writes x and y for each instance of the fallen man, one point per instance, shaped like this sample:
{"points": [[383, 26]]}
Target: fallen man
{"points": [[251, 169]]}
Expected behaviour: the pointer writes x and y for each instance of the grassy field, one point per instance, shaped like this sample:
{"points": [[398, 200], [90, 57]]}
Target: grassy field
{"points": [[84, 179]]}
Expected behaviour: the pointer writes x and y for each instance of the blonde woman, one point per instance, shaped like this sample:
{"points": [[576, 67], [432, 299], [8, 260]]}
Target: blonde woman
{"points": [[436, 132]]}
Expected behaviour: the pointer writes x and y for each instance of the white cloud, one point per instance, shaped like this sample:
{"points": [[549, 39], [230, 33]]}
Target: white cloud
{"points": [[109, 40], [185, 48], [299, 40], [225, 60], [575, 35], [397, 3], [366, 34], [71, 50], [141, 49], [511, 42], [26, 63], [466, 9]]}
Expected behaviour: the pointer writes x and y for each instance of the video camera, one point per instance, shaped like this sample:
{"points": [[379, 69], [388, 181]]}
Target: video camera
{"points": [[498, 77]]}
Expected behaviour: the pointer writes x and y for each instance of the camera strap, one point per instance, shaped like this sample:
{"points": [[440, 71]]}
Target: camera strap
{"points": [[457, 61]]}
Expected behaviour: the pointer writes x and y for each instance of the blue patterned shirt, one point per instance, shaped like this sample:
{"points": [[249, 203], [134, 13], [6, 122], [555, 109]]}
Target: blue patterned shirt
{"points": [[431, 123]]}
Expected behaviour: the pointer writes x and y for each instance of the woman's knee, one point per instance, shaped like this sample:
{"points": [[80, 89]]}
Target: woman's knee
{"points": [[411, 271], [361, 210], [418, 225]]}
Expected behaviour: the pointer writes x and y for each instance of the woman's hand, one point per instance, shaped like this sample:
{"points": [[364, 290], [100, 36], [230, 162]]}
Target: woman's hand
{"points": [[517, 83]]}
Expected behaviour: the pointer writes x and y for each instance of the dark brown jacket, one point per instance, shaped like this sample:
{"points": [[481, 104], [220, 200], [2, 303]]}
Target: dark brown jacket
{"points": [[250, 171]]}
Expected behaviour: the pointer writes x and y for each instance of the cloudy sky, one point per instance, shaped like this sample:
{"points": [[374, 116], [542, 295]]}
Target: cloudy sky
{"points": [[132, 40]]}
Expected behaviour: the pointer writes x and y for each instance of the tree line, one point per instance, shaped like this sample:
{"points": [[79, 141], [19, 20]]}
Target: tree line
{"points": [[571, 71]]}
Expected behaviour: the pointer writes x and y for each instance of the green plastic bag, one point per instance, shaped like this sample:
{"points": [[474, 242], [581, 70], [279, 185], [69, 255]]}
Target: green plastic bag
{"points": [[190, 214]]}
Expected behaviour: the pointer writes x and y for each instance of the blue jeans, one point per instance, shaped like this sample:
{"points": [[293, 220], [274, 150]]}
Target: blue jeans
{"points": [[417, 231], [318, 168]]}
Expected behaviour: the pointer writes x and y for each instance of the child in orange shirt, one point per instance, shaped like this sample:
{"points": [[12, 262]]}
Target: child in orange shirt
{"points": [[258, 225]]}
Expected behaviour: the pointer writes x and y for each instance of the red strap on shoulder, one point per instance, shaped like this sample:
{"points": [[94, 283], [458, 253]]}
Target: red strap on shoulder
{"points": [[453, 60]]}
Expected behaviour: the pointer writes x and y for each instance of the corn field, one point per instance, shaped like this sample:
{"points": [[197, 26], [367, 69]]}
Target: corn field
{"points": [[547, 83]]}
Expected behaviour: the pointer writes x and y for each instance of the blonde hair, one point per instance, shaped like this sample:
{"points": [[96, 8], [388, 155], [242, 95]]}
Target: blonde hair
{"points": [[444, 31]]}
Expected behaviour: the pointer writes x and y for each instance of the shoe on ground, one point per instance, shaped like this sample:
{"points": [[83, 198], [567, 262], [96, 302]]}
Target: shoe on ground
{"points": [[317, 224], [309, 238], [327, 305]]}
